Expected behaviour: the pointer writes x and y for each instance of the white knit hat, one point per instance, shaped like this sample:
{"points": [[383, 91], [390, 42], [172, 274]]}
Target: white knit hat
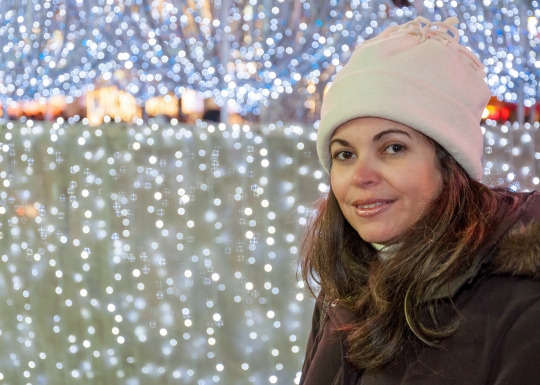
{"points": [[420, 77]]}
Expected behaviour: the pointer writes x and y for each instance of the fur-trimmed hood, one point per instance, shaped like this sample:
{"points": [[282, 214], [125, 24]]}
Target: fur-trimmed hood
{"points": [[518, 253], [514, 250]]}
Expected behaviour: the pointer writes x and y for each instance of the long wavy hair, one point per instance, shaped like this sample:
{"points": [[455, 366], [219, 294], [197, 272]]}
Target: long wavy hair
{"points": [[389, 298]]}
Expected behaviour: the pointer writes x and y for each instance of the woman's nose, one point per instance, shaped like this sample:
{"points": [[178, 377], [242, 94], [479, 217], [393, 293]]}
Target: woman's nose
{"points": [[366, 173]]}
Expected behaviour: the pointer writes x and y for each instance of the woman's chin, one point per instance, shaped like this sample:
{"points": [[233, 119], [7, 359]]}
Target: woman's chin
{"points": [[381, 239]]}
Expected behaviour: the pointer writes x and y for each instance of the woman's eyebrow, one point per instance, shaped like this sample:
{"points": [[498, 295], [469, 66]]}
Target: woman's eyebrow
{"points": [[391, 131], [343, 142]]}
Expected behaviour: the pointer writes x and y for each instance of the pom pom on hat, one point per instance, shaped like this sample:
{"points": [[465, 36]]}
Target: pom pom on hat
{"points": [[420, 77]]}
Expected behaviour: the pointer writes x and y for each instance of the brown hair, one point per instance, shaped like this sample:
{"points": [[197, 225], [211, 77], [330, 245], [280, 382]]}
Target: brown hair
{"points": [[389, 299]]}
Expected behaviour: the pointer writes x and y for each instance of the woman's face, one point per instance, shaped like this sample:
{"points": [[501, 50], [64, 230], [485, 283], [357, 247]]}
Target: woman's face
{"points": [[383, 174]]}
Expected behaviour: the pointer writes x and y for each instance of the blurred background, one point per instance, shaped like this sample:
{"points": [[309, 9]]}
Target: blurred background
{"points": [[158, 164]]}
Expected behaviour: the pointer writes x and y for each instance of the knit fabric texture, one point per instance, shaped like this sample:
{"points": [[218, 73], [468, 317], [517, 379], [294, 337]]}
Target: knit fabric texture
{"points": [[417, 75]]}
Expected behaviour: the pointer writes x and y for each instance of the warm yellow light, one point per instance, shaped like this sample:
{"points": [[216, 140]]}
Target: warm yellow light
{"points": [[162, 105], [110, 101]]}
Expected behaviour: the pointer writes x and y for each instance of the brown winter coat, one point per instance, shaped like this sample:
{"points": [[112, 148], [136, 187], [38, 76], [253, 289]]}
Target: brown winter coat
{"points": [[498, 340]]}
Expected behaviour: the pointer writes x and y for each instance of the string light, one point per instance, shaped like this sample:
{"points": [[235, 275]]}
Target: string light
{"points": [[140, 264], [70, 47]]}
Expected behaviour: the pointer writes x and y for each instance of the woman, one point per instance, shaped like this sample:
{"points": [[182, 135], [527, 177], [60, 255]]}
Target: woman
{"points": [[427, 276]]}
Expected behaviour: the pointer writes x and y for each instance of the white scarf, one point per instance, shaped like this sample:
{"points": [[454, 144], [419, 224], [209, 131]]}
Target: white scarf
{"points": [[385, 252]]}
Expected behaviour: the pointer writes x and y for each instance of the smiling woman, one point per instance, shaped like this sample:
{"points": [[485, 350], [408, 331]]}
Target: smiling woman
{"points": [[372, 163], [426, 275]]}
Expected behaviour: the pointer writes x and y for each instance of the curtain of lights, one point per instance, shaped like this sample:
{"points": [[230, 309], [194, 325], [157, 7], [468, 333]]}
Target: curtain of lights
{"points": [[151, 254], [167, 254]]}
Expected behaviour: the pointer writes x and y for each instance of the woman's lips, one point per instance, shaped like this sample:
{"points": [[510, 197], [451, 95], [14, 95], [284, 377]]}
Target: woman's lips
{"points": [[367, 210]]}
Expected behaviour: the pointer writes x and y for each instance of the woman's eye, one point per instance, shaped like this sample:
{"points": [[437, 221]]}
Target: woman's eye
{"points": [[343, 155], [395, 148]]}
